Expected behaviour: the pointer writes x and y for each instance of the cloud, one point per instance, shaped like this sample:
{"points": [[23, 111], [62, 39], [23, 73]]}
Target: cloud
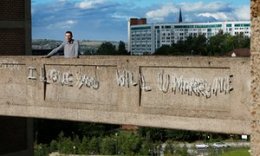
{"points": [[218, 15], [202, 7], [161, 13], [199, 12], [120, 16], [62, 25], [107, 19], [89, 4], [242, 13]]}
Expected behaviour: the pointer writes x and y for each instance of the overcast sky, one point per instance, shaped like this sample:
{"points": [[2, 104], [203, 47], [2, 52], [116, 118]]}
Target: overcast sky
{"points": [[107, 19]]}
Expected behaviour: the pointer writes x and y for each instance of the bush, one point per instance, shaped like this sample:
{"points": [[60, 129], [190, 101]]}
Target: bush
{"points": [[169, 148], [129, 143], [108, 146], [41, 150], [53, 146]]}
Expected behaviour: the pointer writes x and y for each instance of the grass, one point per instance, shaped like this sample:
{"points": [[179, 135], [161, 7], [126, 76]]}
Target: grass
{"points": [[237, 152]]}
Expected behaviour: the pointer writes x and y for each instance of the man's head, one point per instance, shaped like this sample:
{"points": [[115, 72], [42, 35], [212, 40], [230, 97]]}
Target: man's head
{"points": [[68, 36]]}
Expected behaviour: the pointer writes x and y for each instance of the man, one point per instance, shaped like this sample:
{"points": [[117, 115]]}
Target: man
{"points": [[70, 47]]}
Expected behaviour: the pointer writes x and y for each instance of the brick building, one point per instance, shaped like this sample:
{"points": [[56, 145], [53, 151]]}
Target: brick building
{"points": [[15, 27]]}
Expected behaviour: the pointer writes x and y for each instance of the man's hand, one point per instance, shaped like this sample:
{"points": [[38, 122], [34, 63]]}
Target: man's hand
{"points": [[46, 56]]}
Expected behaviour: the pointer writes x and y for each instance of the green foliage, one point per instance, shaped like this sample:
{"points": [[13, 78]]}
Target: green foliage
{"points": [[236, 152], [146, 148], [217, 45], [106, 48], [100, 139], [108, 146], [121, 48], [181, 151], [65, 145], [89, 146], [53, 146], [163, 50], [128, 143], [41, 150], [83, 148]]}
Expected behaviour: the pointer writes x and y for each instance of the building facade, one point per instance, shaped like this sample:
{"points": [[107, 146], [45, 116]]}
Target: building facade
{"points": [[146, 38], [15, 27]]}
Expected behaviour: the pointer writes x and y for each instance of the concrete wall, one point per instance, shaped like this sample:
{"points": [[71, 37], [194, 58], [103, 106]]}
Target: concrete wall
{"points": [[193, 93], [255, 75], [15, 37]]}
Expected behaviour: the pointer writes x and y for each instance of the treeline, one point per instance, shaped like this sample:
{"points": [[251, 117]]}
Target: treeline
{"points": [[101, 139], [217, 45], [107, 48]]}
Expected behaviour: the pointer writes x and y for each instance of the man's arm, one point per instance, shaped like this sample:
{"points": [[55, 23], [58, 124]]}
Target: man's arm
{"points": [[55, 50], [76, 49]]}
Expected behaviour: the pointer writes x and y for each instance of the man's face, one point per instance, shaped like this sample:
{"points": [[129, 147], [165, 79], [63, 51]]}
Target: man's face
{"points": [[68, 37]]}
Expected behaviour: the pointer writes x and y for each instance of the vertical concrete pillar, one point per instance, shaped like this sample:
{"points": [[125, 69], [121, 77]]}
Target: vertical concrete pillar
{"points": [[255, 75], [16, 136]]}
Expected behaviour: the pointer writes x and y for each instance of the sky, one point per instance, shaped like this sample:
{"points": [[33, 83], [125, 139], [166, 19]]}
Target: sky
{"points": [[107, 19]]}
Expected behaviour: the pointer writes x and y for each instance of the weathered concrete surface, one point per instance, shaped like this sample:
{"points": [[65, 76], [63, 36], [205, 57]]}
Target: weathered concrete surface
{"points": [[131, 90], [255, 73]]}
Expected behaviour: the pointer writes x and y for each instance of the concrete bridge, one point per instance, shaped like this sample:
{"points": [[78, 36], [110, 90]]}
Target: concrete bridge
{"points": [[192, 93]]}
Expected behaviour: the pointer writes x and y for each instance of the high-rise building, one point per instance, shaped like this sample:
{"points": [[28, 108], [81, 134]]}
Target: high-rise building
{"points": [[146, 38], [132, 22]]}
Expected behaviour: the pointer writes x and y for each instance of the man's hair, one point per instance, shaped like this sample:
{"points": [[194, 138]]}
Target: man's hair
{"points": [[69, 32]]}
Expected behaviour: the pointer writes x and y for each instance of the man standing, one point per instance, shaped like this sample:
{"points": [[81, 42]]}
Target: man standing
{"points": [[70, 47]]}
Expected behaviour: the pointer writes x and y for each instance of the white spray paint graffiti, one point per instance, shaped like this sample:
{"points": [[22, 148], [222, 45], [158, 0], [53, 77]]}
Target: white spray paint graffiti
{"points": [[64, 78], [89, 82], [144, 86], [199, 87], [166, 82], [68, 79], [32, 73], [7, 64], [126, 79]]}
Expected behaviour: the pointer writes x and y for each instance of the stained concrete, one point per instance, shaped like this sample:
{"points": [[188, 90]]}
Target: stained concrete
{"points": [[131, 90], [255, 75]]}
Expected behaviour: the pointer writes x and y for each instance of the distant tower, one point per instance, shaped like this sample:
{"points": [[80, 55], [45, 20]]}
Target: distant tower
{"points": [[180, 17]]}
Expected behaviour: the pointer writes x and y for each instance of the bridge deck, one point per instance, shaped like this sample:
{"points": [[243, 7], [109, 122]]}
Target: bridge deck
{"points": [[192, 93]]}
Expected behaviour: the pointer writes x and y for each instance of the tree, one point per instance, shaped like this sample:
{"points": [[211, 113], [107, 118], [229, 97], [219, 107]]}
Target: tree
{"points": [[108, 146], [128, 143], [163, 50], [179, 48], [199, 45], [220, 44], [121, 49], [216, 44], [106, 48], [241, 41]]}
